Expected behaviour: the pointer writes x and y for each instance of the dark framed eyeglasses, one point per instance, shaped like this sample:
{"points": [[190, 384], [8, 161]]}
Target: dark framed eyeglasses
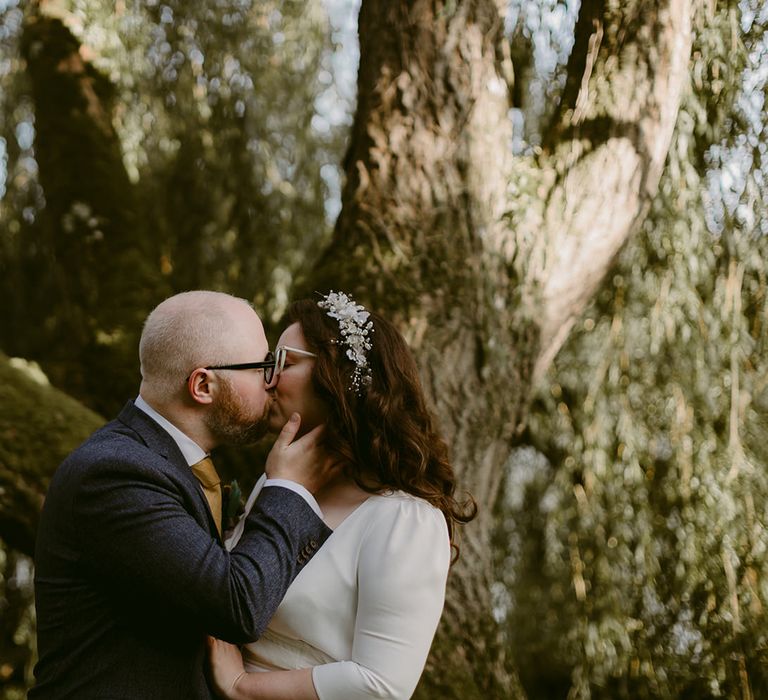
{"points": [[267, 364]]}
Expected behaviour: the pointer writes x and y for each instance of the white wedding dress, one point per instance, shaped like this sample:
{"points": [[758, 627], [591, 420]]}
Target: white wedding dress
{"points": [[364, 610]]}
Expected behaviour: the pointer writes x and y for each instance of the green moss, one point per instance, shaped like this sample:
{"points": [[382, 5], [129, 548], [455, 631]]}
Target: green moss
{"points": [[39, 426]]}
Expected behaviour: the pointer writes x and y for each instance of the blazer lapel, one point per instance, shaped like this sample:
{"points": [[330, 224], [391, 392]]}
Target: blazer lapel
{"points": [[161, 443], [152, 434]]}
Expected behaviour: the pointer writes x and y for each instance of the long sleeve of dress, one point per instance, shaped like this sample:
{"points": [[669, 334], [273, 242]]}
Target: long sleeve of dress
{"points": [[402, 571]]}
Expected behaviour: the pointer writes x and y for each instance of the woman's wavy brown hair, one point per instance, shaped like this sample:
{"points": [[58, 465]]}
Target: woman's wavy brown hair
{"points": [[385, 436]]}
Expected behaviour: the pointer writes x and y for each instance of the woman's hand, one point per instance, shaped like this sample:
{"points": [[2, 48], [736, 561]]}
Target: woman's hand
{"points": [[227, 667]]}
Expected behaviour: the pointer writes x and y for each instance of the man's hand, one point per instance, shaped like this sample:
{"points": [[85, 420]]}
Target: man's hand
{"points": [[302, 460]]}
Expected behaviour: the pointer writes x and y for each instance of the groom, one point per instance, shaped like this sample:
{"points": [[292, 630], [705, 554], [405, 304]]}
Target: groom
{"points": [[130, 570]]}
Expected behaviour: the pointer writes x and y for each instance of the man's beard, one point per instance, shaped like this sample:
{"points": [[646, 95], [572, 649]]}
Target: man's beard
{"points": [[229, 421]]}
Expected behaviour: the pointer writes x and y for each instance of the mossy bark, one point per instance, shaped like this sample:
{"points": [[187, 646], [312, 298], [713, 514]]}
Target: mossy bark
{"points": [[39, 426]]}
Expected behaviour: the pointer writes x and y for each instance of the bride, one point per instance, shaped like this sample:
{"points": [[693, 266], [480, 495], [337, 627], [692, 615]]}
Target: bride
{"points": [[359, 619]]}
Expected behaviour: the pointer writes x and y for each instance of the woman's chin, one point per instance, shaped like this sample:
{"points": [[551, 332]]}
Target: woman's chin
{"points": [[278, 418], [275, 421]]}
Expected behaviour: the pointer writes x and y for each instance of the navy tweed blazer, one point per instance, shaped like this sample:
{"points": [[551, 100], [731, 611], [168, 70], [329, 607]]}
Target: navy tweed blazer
{"points": [[130, 574]]}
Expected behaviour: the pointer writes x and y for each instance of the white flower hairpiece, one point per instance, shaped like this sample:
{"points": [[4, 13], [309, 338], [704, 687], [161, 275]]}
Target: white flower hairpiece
{"points": [[355, 329]]}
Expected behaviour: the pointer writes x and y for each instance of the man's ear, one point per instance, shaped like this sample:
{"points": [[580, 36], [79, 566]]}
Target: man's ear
{"points": [[201, 385]]}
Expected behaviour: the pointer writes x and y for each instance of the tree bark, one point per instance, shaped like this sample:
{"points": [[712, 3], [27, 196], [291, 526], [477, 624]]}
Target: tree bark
{"points": [[98, 274], [484, 259]]}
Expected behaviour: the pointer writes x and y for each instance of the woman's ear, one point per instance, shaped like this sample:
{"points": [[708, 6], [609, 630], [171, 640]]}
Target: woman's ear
{"points": [[201, 385]]}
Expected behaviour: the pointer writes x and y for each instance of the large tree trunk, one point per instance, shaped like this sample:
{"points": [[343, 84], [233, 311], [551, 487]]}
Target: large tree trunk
{"points": [[98, 273], [92, 275], [486, 260]]}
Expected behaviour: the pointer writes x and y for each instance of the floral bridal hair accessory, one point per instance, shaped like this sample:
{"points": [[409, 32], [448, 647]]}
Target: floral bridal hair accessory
{"points": [[355, 330]]}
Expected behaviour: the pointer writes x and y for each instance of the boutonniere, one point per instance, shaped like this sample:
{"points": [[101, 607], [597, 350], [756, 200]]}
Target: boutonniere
{"points": [[233, 504]]}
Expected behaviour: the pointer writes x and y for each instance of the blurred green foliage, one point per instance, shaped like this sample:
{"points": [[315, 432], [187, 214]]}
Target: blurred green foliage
{"points": [[225, 155], [633, 548], [17, 624]]}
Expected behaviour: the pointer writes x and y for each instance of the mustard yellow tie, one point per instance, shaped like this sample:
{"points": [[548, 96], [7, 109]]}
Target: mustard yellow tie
{"points": [[209, 479]]}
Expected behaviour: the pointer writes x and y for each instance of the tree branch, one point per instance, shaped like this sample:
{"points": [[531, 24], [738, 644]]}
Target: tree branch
{"points": [[608, 176]]}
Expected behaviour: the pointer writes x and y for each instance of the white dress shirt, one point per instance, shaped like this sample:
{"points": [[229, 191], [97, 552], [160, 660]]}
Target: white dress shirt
{"points": [[193, 453]]}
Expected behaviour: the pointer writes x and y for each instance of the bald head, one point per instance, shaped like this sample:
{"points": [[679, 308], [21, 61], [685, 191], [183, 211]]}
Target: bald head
{"points": [[195, 329]]}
